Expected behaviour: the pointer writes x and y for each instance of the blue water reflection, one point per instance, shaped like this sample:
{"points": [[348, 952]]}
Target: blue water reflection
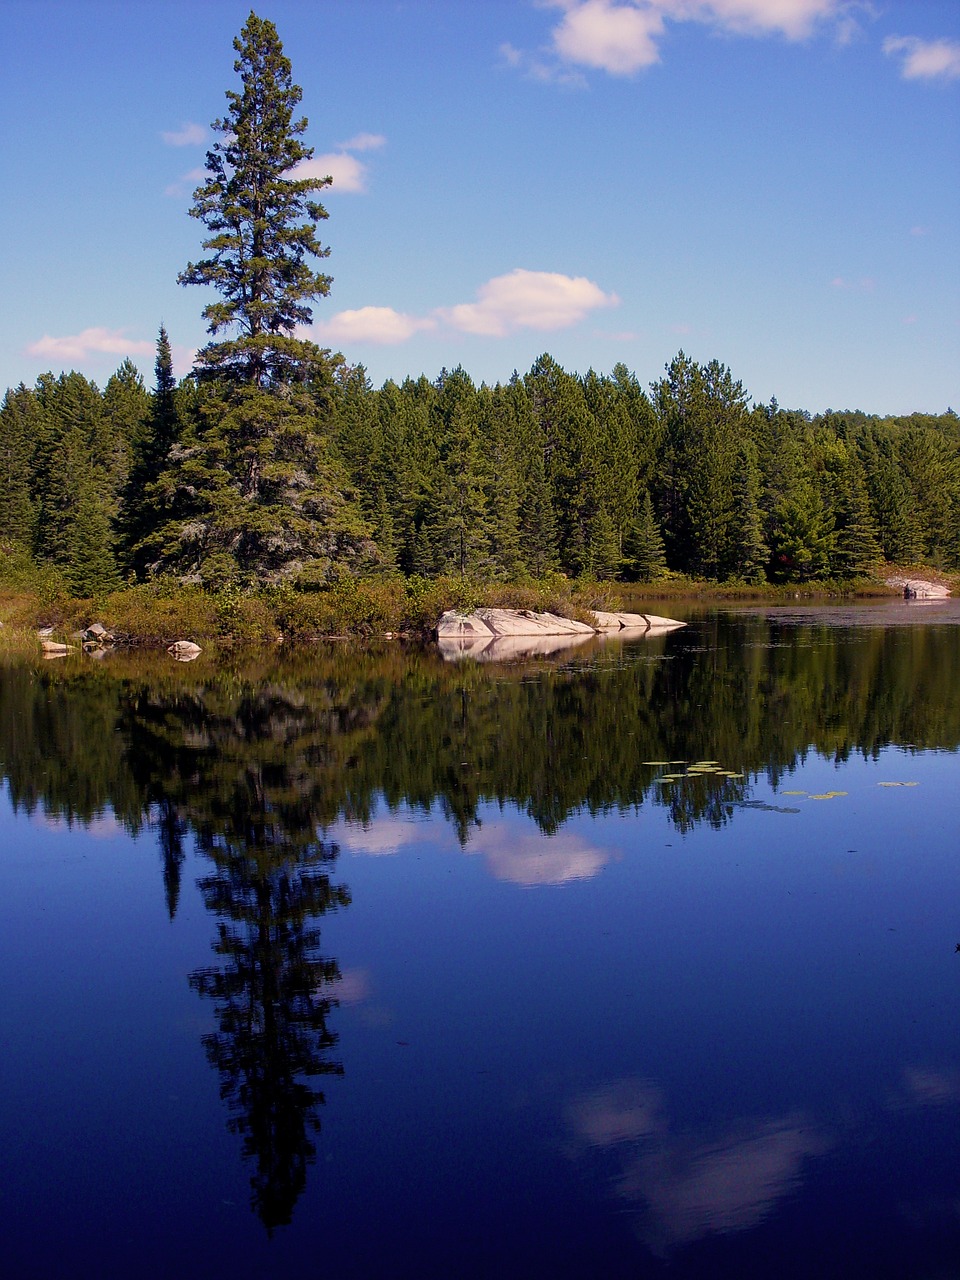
{"points": [[616, 1044]]}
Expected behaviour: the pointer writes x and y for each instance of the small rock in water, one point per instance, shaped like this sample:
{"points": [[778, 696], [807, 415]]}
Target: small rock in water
{"points": [[184, 650]]}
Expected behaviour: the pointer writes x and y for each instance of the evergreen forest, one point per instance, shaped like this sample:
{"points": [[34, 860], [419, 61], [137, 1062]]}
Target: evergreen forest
{"points": [[277, 463]]}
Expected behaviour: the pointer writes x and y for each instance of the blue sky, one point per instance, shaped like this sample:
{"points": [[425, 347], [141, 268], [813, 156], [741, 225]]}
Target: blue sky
{"points": [[771, 183]]}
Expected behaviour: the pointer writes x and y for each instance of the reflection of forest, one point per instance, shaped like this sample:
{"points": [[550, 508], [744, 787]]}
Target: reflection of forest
{"points": [[331, 731], [253, 757]]}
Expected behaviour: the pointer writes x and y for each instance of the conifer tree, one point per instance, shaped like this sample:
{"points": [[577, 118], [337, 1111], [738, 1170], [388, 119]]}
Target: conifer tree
{"points": [[458, 517], [264, 492], [262, 220], [499, 435], [18, 414], [857, 550], [143, 509], [747, 553], [644, 555]]}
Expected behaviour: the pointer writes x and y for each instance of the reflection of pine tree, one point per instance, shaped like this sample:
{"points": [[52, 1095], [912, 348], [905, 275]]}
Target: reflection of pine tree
{"points": [[271, 989], [172, 829]]}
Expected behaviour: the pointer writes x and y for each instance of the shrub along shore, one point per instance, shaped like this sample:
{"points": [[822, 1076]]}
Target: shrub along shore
{"points": [[159, 612]]}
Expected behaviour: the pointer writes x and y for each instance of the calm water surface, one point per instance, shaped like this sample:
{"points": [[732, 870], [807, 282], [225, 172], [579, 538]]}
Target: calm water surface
{"points": [[371, 964]]}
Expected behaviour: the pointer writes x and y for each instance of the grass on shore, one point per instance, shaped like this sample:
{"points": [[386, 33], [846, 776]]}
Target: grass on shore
{"points": [[157, 613]]}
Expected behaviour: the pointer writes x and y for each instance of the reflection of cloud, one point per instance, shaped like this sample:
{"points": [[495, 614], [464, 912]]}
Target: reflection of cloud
{"points": [[689, 1186], [382, 836], [519, 854], [727, 1185], [931, 1088], [354, 986], [533, 858], [103, 826], [620, 1112]]}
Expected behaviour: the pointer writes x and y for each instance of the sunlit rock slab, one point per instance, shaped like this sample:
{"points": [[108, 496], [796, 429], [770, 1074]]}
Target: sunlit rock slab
{"points": [[650, 622], [499, 624], [920, 588]]}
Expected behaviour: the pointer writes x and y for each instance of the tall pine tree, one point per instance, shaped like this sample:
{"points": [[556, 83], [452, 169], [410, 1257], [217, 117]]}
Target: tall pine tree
{"points": [[268, 495]]}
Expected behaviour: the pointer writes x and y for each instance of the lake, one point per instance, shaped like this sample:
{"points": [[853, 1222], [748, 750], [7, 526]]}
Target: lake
{"points": [[639, 960]]}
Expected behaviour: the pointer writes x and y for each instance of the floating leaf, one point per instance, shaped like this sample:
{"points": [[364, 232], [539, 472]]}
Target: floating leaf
{"points": [[796, 793], [655, 762], [898, 784]]}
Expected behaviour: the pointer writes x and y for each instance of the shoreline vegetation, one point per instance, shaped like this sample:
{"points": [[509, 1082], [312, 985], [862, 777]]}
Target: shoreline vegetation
{"points": [[276, 493], [35, 599]]}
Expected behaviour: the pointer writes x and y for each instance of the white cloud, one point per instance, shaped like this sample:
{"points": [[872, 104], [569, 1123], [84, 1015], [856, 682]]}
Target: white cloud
{"points": [[348, 173], [381, 325], [925, 59], [90, 342], [363, 142], [188, 135], [618, 38], [186, 182], [866, 284], [622, 37], [794, 19], [544, 300]]}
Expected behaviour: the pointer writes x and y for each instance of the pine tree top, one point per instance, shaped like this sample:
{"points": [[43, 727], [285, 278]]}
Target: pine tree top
{"points": [[262, 222]]}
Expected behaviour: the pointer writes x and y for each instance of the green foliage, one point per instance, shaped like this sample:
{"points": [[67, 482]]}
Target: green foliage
{"points": [[18, 422], [747, 553], [803, 538], [262, 221], [645, 557]]}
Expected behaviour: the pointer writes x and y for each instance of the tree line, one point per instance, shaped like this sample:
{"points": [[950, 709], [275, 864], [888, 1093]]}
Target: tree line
{"points": [[278, 461], [588, 475]]}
